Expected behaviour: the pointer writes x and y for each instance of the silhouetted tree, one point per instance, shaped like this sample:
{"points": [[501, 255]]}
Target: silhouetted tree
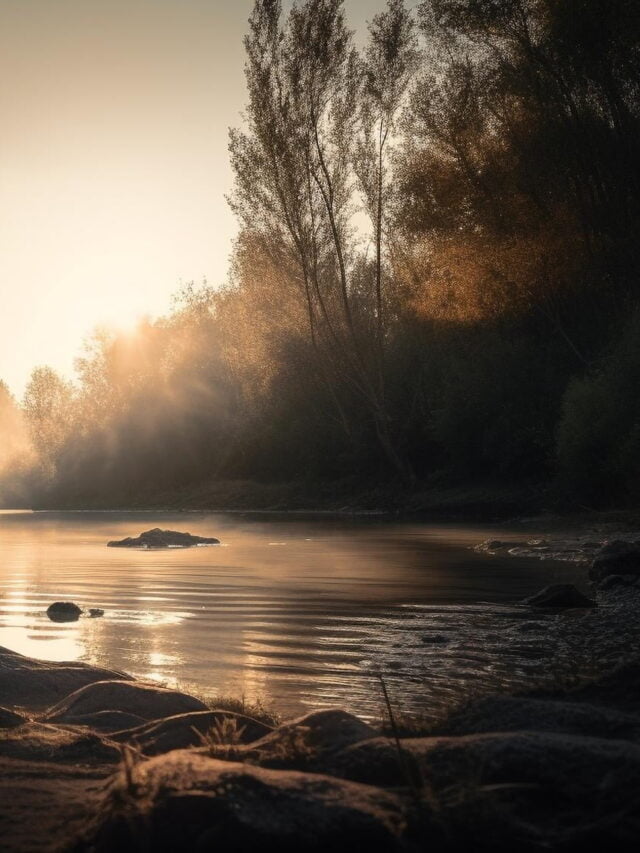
{"points": [[310, 123]]}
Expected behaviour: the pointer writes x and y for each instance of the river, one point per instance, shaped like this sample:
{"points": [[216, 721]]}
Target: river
{"points": [[298, 612]]}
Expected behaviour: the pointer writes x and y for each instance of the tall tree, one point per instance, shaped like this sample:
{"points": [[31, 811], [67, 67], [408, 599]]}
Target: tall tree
{"points": [[297, 163]]}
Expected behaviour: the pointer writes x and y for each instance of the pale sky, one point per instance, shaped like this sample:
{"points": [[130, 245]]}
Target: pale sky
{"points": [[113, 163]]}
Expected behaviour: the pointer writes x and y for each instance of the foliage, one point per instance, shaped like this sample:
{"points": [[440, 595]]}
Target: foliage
{"points": [[437, 253], [599, 433]]}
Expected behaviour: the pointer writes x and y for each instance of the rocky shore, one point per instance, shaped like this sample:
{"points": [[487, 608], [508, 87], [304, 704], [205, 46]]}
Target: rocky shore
{"points": [[93, 760]]}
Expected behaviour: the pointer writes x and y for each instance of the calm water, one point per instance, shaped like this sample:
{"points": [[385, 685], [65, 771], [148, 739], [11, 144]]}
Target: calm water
{"points": [[296, 612]]}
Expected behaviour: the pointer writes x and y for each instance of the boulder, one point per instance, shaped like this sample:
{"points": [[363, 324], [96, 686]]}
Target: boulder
{"points": [[379, 762], [188, 801], [615, 558], [158, 538], [142, 700], [45, 805], [107, 722], [185, 730], [521, 790], [41, 742], [64, 611], [29, 683], [531, 791], [619, 689], [560, 596], [299, 744], [543, 714]]}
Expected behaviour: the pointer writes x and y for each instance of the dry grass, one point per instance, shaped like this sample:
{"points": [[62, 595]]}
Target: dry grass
{"points": [[222, 737], [256, 710]]}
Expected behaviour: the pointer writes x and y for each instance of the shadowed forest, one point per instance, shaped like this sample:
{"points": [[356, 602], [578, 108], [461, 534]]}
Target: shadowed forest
{"points": [[435, 280]]}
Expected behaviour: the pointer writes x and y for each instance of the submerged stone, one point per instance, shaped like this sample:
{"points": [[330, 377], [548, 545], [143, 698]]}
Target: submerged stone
{"points": [[158, 538]]}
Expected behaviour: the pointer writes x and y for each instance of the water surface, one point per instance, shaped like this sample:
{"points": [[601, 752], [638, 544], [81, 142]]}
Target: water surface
{"points": [[298, 612]]}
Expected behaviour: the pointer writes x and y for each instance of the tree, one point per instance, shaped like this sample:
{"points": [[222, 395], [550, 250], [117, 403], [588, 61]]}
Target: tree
{"points": [[48, 408], [319, 123]]}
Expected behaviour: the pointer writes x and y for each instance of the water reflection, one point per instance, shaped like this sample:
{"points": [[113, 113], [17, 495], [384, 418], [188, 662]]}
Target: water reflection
{"points": [[295, 626]]}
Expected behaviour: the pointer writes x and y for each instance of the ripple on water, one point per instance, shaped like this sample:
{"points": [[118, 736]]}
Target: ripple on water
{"points": [[304, 626]]}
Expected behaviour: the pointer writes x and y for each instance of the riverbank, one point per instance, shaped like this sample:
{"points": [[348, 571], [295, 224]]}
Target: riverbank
{"points": [[484, 501], [478, 501], [91, 759]]}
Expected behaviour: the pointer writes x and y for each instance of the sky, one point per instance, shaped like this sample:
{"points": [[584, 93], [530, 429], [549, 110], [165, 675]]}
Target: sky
{"points": [[113, 163]]}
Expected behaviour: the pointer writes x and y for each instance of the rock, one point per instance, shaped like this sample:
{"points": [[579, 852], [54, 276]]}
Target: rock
{"points": [[44, 805], [188, 801], [95, 612], [542, 714], [378, 762], [107, 722], [145, 701], [302, 742], [618, 689], [10, 719], [53, 744], [561, 595], [613, 581], [615, 558], [64, 611], [531, 791], [521, 790], [185, 730], [158, 538], [29, 683]]}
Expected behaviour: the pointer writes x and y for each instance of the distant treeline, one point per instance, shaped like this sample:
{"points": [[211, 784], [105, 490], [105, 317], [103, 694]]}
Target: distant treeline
{"points": [[436, 278]]}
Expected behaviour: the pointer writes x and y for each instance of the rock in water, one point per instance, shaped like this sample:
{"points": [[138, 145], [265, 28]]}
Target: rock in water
{"points": [[158, 538], [615, 558], [561, 595], [64, 611]]}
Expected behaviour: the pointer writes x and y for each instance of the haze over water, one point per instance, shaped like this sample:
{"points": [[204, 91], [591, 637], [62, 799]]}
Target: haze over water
{"points": [[297, 612]]}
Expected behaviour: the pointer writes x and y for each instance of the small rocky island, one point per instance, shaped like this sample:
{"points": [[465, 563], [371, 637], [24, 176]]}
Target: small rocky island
{"points": [[158, 538]]}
